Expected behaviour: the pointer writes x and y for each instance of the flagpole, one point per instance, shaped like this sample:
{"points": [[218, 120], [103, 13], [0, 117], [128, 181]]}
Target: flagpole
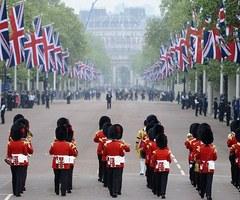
{"points": [[37, 79], [54, 80], [196, 82], [28, 80], [237, 83], [15, 78], [204, 81], [221, 80]]}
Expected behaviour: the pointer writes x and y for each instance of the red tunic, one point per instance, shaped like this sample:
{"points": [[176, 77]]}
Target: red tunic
{"points": [[159, 158], [188, 145], [149, 148], [98, 139], [231, 141], [235, 149], [18, 152], [206, 155], [61, 151], [114, 151]]}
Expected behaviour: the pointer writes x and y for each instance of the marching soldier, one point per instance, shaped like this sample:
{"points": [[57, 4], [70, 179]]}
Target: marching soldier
{"points": [[189, 144], [231, 141], [103, 141], [141, 136], [97, 139], [115, 151], [17, 157], [206, 156], [62, 152], [70, 138], [236, 150], [149, 147], [161, 159]]}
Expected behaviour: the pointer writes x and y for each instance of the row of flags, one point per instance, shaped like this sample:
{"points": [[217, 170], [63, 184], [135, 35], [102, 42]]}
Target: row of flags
{"points": [[41, 48], [194, 46]]}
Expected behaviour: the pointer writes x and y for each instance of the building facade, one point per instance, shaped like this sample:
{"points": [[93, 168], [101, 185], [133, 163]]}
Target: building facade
{"points": [[123, 37]]}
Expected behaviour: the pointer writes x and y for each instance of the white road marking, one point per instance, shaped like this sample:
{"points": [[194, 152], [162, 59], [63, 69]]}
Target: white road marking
{"points": [[178, 165], [8, 196]]}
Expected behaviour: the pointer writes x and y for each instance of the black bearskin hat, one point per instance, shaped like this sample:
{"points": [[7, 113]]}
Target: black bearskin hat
{"points": [[103, 120], [25, 124], [119, 131], [151, 134], [205, 133], [61, 133], [17, 131], [62, 121], [113, 132], [149, 126], [237, 134], [194, 129], [105, 129], [158, 130], [17, 116], [162, 141], [152, 118], [234, 125]]}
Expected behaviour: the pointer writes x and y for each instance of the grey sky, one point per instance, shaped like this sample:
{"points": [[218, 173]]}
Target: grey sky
{"points": [[151, 6]]}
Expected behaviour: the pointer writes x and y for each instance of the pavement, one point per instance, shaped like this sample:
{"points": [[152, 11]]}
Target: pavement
{"points": [[84, 116]]}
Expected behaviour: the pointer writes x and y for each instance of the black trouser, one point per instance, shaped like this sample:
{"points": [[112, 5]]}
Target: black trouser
{"points": [[154, 189], [161, 179], [109, 105], [115, 180], [105, 173], [215, 114], [70, 177], [234, 169], [197, 180], [61, 177], [3, 117], [191, 173], [24, 177], [100, 168], [148, 176], [196, 111], [206, 184], [17, 177]]}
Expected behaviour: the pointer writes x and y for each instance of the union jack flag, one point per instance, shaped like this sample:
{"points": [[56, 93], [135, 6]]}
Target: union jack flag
{"points": [[195, 40], [211, 50], [48, 47], [4, 33], [28, 51], [57, 52], [65, 56], [38, 38], [234, 47], [17, 36]]}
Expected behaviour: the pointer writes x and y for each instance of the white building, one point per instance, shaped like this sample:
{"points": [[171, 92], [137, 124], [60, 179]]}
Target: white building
{"points": [[123, 36]]}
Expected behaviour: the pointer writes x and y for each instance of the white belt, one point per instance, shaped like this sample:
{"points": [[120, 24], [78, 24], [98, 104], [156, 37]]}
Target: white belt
{"points": [[165, 164], [211, 165], [19, 158], [61, 159], [118, 160]]}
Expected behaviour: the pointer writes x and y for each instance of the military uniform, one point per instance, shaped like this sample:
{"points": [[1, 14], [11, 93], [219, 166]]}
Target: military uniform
{"points": [[188, 145], [231, 141], [141, 138], [63, 155], [206, 155], [114, 151], [17, 157], [99, 137]]}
